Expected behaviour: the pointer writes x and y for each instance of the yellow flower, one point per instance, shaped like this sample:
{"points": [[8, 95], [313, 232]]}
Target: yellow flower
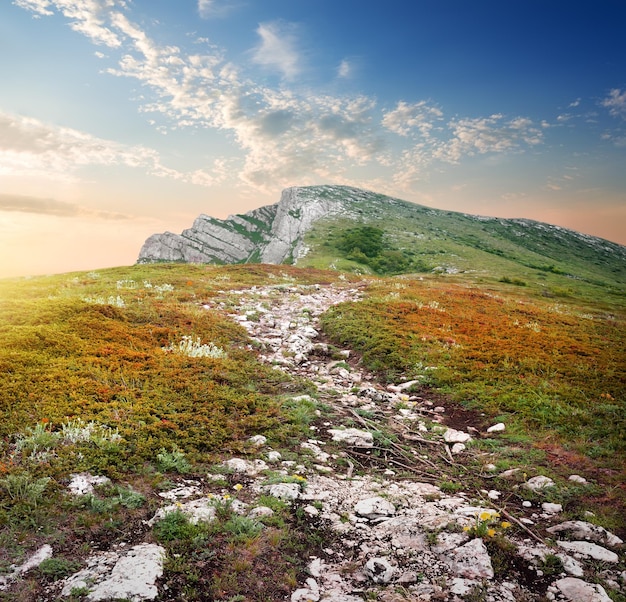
{"points": [[485, 515], [491, 532], [466, 529], [226, 496], [238, 487], [505, 524]]}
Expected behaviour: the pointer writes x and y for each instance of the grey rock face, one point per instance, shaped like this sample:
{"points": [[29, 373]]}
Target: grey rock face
{"points": [[269, 234]]}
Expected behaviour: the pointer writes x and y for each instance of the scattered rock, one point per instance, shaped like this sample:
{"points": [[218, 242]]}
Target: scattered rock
{"points": [[584, 548], [575, 478], [539, 483], [583, 530], [84, 483], [551, 508], [112, 576], [353, 437], [472, 560], [379, 570], [374, 507], [577, 590], [497, 428], [454, 436]]}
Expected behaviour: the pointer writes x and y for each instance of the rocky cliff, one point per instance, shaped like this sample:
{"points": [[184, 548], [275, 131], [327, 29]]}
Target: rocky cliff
{"points": [[270, 234]]}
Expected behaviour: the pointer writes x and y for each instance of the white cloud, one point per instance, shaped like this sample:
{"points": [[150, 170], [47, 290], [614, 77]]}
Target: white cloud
{"points": [[615, 102], [39, 7], [277, 49], [405, 118], [282, 135], [344, 69], [487, 135], [29, 147], [206, 7], [86, 16]]}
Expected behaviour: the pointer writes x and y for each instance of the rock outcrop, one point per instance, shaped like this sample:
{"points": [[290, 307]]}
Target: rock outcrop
{"points": [[270, 234]]}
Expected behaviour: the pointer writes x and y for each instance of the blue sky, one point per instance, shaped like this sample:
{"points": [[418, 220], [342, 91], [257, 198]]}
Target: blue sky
{"points": [[121, 118]]}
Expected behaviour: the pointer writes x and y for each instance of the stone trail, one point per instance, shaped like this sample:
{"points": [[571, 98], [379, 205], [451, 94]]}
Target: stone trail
{"points": [[400, 537]]}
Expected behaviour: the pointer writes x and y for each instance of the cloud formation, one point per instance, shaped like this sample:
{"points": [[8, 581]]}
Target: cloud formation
{"points": [[283, 134], [615, 102], [277, 49], [29, 147]]}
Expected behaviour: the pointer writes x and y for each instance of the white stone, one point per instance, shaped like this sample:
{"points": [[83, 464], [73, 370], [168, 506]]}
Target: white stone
{"points": [[585, 548], [273, 457], [551, 508], [258, 440], [132, 576], [454, 436], [283, 491], [245, 467], [571, 565], [457, 448], [379, 570], [575, 478], [539, 483], [497, 428], [583, 530], [260, 511], [43, 553], [184, 491], [493, 494], [577, 590], [471, 560], [374, 507], [84, 483], [352, 436]]}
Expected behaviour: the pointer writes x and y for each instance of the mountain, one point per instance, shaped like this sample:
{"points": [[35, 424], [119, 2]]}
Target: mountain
{"points": [[364, 232]]}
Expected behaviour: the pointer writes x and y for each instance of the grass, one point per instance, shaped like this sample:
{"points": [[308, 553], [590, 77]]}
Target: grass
{"points": [[122, 372]]}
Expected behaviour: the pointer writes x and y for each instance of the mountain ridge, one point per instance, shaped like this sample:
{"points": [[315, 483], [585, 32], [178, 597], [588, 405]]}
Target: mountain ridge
{"points": [[299, 229]]}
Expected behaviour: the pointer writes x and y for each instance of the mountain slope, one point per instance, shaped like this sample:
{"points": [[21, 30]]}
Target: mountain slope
{"points": [[309, 226]]}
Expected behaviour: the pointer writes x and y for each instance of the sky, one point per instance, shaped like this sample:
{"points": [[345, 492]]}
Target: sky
{"points": [[123, 118]]}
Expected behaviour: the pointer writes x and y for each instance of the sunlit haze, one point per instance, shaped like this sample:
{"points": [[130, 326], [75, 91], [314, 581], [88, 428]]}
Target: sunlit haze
{"points": [[122, 118]]}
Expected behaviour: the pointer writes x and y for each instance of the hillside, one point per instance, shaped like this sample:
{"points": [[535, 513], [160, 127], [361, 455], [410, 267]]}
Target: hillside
{"points": [[255, 432], [311, 226]]}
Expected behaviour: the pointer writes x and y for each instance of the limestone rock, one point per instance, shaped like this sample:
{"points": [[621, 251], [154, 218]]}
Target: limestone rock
{"points": [[591, 550], [577, 590], [270, 234], [111, 576], [583, 530], [454, 436], [84, 483], [539, 483], [472, 560], [379, 570], [375, 507], [353, 437]]}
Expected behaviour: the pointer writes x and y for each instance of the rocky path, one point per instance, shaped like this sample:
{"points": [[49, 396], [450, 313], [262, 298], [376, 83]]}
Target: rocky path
{"points": [[402, 537], [379, 473]]}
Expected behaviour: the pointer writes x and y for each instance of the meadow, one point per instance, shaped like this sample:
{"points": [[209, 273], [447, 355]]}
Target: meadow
{"points": [[122, 372]]}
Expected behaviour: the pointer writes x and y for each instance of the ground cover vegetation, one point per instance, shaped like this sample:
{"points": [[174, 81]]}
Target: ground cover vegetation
{"points": [[123, 373]]}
